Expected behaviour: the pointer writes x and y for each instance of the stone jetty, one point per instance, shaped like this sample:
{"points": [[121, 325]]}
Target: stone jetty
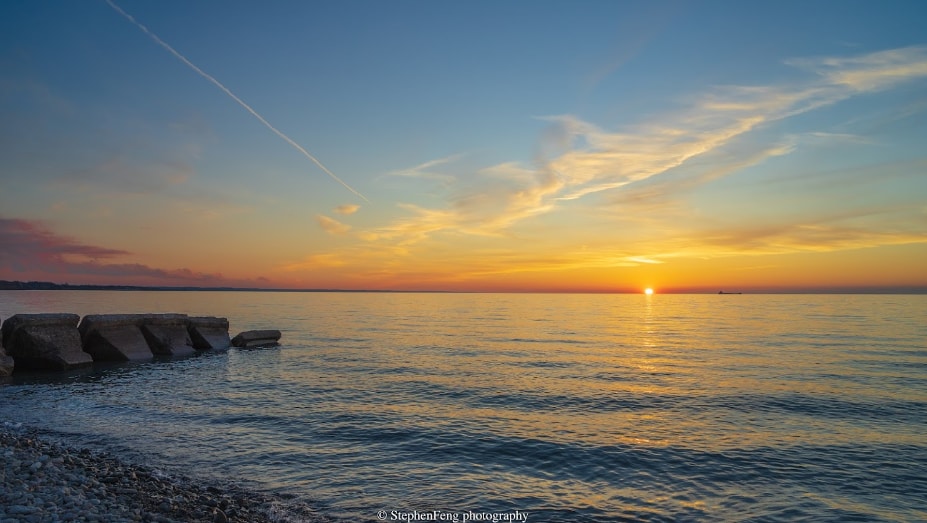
{"points": [[44, 341], [59, 342], [257, 338]]}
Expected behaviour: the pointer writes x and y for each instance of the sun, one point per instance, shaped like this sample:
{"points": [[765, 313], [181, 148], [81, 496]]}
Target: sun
{"points": [[648, 291]]}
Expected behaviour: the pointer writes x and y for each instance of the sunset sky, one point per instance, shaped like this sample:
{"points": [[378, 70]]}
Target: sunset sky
{"points": [[465, 145]]}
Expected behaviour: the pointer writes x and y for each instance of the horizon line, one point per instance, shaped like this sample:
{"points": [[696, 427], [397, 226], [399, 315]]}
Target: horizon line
{"points": [[874, 289]]}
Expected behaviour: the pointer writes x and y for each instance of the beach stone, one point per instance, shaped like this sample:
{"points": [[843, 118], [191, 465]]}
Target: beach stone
{"points": [[114, 337], [167, 334], [44, 341], [209, 332], [257, 338]]}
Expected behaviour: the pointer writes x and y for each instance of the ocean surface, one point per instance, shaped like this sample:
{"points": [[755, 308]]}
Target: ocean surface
{"points": [[597, 408]]}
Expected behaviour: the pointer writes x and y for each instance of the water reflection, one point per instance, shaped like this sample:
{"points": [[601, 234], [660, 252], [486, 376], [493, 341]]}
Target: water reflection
{"points": [[583, 407]]}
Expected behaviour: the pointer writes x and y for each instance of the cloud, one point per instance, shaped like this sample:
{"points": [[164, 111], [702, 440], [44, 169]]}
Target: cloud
{"points": [[643, 180], [123, 181], [425, 170], [33, 251], [798, 237], [317, 261], [25, 242], [415, 228], [347, 209], [116, 175], [662, 192], [868, 72], [578, 159], [331, 225]]}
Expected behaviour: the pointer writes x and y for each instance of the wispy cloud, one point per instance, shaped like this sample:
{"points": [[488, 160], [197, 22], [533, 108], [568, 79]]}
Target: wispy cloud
{"points": [[581, 159], [347, 209], [316, 261], [413, 229], [868, 72], [663, 192], [331, 225], [794, 237], [428, 169], [117, 175]]}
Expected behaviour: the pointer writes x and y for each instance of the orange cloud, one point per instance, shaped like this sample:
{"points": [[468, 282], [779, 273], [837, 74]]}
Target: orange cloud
{"points": [[332, 226]]}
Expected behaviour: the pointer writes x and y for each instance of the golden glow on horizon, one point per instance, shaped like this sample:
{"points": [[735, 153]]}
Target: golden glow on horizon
{"points": [[648, 291]]}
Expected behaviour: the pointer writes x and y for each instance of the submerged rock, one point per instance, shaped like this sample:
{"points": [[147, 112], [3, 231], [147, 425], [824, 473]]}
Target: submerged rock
{"points": [[209, 332], [257, 338], [44, 341], [114, 337]]}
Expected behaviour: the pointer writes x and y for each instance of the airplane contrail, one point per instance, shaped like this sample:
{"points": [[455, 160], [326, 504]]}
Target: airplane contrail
{"points": [[231, 95]]}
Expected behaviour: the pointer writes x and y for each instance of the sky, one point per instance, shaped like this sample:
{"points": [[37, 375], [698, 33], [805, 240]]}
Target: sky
{"points": [[545, 146]]}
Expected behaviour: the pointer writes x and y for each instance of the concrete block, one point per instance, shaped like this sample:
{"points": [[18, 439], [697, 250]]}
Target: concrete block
{"points": [[209, 332], [167, 334], [44, 341], [114, 337], [257, 338]]}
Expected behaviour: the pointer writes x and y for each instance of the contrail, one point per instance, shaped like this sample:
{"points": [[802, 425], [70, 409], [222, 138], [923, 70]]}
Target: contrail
{"points": [[231, 95]]}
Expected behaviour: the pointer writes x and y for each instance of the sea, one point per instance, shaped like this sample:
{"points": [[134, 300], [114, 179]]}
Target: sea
{"points": [[520, 407]]}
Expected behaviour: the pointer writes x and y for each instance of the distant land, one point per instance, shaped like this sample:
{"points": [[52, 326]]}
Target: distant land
{"points": [[6, 285]]}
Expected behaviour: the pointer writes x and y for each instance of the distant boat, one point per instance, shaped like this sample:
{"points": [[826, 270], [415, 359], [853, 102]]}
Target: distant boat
{"points": [[722, 292]]}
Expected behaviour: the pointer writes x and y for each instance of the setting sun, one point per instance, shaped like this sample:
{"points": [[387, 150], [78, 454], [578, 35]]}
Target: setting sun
{"points": [[648, 291]]}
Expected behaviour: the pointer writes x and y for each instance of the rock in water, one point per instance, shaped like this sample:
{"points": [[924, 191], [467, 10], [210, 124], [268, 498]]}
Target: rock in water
{"points": [[257, 338], [209, 332], [44, 341], [167, 334], [114, 337]]}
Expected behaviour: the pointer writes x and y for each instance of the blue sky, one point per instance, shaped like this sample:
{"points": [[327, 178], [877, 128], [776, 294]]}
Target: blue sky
{"points": [[497, 145]]}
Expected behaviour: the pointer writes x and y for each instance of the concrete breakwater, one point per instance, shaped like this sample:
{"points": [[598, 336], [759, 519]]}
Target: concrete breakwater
{"points": [[65, 341]]}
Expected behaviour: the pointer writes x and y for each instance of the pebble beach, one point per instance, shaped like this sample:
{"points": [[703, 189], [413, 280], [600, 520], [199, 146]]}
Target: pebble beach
{"points": [[45, 482]]}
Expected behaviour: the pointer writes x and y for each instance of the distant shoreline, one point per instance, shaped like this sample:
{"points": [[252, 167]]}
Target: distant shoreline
{"points": [[6, 285], [50, 286]]}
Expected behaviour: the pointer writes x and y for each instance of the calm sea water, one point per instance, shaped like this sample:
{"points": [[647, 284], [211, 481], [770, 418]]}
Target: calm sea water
{"points": [[567, 407]]}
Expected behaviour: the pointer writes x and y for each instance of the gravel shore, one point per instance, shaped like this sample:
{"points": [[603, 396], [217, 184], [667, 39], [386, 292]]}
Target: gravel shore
{"points": [[42, 482]]}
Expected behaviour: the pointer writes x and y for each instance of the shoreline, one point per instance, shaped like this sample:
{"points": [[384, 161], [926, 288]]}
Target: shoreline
{"points": [[43, 481]]}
